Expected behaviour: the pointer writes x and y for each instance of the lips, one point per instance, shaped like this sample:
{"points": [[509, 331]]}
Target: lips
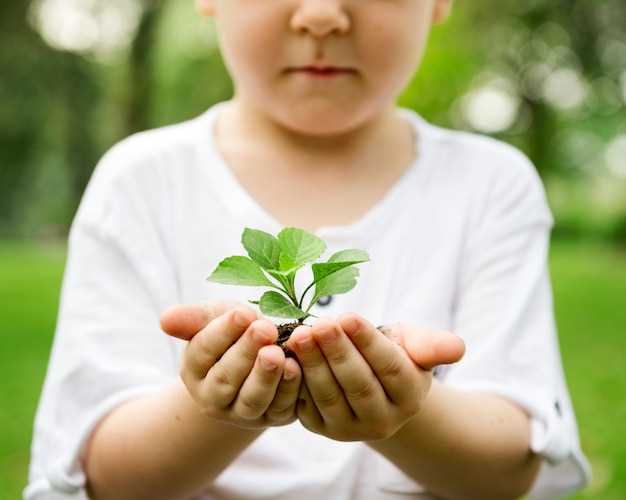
{"points": [[324, 70]]}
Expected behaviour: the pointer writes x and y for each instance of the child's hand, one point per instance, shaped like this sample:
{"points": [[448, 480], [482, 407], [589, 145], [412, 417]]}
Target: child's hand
{"points": [[231, 367], [426, 347], [359, 384]]}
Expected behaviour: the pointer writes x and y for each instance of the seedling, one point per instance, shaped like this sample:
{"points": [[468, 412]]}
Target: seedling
{"points": [[281, 257]]}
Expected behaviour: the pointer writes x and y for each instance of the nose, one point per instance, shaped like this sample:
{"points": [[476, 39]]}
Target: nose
{"points": [[320, 17]]}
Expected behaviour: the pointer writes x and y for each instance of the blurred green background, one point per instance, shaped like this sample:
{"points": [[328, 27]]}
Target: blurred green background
{"points": [[548, 76]]}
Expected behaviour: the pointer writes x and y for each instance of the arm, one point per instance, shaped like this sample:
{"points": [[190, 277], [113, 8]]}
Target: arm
{"points": [[362, 386], [172, 444], [160, 447], [464, 445]]}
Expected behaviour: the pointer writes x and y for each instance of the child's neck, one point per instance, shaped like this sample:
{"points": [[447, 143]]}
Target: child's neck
{"points": [[342, 189], [354, 147]]}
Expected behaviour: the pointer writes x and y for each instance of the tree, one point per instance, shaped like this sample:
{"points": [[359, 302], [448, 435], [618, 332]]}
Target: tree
{"points": [[47, 97], [530, 41]]}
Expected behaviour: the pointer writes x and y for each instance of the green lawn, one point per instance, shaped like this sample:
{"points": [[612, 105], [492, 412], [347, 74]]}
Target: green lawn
{"points": [[29, 289], [589, 282]]}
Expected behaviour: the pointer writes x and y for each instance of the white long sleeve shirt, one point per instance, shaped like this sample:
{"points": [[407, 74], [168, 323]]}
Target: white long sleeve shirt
{"points": [[459, 243]]}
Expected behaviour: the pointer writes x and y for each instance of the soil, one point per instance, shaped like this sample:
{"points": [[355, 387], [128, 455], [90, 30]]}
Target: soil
{"points": [[284, 332], [286, 329]]}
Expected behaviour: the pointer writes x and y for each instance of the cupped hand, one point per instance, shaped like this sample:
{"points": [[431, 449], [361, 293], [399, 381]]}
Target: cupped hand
{"points": [[427, 347], [361, 385], [231, 367]]}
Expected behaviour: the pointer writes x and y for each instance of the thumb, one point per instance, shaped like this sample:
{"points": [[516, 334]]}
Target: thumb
{"points": [[429, 348], [185, 320]]}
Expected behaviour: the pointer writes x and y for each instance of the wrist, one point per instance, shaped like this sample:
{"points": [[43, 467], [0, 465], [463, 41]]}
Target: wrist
{"points": [[190, 411], [420, 425]]}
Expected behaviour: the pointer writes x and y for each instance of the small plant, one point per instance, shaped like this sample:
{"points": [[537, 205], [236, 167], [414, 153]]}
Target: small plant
{"points": [[281, 257]]}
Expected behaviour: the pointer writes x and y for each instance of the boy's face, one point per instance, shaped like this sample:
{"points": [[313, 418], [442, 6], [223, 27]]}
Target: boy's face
{"points": [[378, 42]]}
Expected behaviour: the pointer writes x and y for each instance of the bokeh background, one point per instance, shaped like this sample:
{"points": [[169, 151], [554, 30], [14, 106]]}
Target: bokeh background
{"points": [[548, 76]]}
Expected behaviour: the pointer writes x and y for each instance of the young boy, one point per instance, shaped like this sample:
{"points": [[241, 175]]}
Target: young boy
{"points": [[457, 227]]}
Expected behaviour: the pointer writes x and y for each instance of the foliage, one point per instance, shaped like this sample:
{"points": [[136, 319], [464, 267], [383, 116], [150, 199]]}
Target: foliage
{"points": [[47, 97], [549, 51], [63, 109], [281, 258]]}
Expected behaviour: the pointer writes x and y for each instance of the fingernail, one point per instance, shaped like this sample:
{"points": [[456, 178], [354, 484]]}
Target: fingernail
{"points": [[289, 375], [350, 326], [260, 336], [239, 318], [305, 343], [327, 334], [268, 365]]}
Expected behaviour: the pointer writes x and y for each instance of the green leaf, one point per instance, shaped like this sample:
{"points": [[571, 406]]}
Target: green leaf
{"points": [[353, 254], [297, 247], [239, 270], [277, 305], [283, 279], [262, 247], [341, 281], [338, 261]]}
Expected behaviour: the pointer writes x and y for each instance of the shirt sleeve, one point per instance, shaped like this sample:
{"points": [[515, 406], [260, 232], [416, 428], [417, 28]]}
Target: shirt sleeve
{"points": [[503, 310], [108, 346]]}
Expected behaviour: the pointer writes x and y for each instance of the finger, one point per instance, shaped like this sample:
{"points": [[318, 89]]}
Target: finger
{"points": [[282, 408], [356, 378], [185, 320], [429, 348], [320, 381], [390, 332], [387, 359], [224, 380], [308, 414], [259, 389], [205, 348]]}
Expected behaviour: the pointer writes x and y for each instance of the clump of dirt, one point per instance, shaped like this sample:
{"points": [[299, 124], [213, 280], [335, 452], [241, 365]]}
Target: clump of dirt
{"points": [[284, 332], [286, 329]]}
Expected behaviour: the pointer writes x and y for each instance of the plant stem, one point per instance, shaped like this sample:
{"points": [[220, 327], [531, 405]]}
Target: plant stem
{"points": [[308, 308], [291, 292], [291, 297], [304, 293], [291, 277], [287, 289], [294, 301]]}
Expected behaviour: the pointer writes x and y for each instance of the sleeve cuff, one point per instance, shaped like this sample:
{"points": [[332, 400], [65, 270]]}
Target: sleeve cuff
{"points": [[564, 469]]}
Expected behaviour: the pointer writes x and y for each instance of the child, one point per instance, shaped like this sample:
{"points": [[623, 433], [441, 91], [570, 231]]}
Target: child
{"points": [[457, 227]]}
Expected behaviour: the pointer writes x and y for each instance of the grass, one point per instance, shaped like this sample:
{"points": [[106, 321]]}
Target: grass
{"points": [[589, 281], [29, 294]]}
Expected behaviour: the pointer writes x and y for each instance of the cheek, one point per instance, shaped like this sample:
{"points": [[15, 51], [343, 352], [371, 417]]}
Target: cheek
{"points": [[251, 42], [391, 40]]}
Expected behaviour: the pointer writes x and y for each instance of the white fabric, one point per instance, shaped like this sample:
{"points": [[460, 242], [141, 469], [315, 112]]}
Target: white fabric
{"points": [[459, 243]]}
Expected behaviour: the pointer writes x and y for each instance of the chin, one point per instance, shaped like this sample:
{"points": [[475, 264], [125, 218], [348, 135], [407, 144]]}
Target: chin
{"points": [[319, 121]]}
